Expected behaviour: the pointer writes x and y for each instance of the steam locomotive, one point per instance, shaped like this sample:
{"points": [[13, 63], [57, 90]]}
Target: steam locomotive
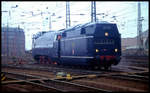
{"points": [[93, 45]]}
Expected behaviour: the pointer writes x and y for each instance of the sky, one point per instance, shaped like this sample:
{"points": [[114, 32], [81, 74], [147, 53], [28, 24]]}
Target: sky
{"points": [[27, 15]]}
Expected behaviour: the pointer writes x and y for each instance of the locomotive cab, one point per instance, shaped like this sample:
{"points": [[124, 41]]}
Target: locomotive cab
{"points": [[106, 45]]}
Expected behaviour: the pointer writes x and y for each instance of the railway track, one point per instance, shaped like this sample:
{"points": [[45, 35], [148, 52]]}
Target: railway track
{"points": [[116, 75], [47, 83], [55, 69], [133, 76], [136, 71], [84, 78], [26, 86]]}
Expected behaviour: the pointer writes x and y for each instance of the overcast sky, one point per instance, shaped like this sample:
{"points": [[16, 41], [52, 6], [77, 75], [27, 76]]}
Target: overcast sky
{"points": [[28, 15]]}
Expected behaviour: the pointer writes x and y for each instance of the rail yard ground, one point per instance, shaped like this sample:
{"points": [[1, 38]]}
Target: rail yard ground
{"points": [[131, 75]]}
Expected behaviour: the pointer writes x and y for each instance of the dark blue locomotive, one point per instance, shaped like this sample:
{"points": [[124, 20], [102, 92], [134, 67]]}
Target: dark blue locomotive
{"points": [[93, 45]]}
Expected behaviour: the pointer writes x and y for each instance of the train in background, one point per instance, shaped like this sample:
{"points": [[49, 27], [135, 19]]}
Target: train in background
{"points": [[93, 45]]}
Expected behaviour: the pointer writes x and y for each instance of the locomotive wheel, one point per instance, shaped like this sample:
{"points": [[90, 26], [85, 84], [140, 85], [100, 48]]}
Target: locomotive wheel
{"points": [[99, 67], [107, 67], [96, 67], [38, 61]]}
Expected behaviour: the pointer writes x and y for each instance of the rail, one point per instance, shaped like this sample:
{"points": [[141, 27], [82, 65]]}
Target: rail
{"points": [[62, 86]]}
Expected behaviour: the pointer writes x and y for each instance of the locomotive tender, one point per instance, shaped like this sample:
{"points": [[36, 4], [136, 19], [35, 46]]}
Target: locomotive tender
{"points": [[93, 45]]}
